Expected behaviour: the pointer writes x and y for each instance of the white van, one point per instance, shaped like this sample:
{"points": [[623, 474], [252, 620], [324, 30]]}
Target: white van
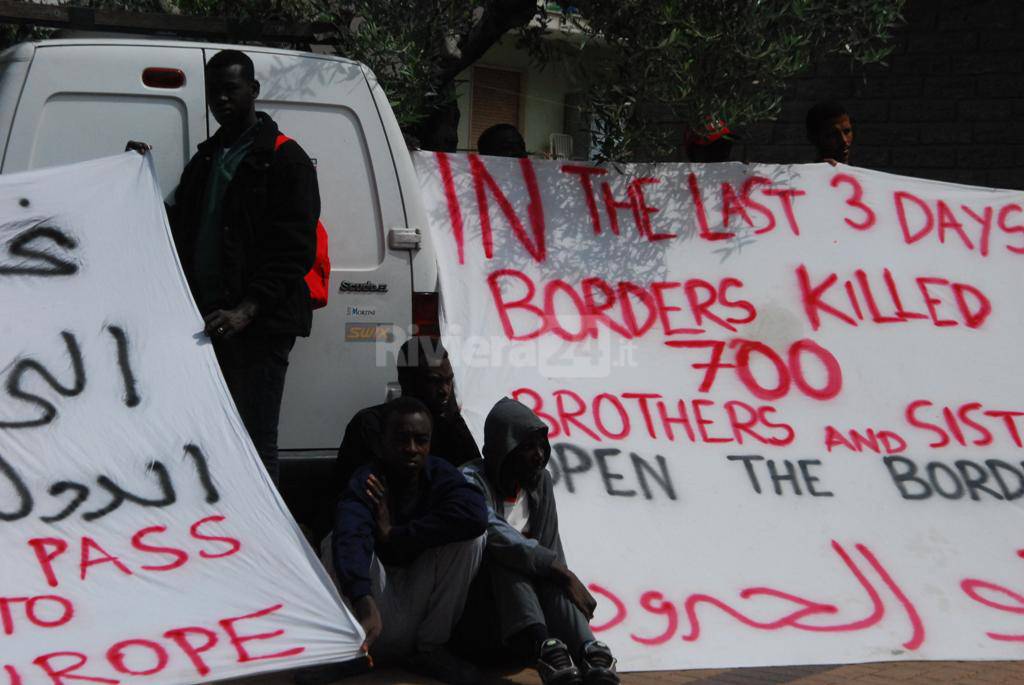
{"points": [[65, 101]]}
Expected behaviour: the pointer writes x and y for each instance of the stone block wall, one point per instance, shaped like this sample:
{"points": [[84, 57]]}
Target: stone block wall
{"points": [[948, 105]]}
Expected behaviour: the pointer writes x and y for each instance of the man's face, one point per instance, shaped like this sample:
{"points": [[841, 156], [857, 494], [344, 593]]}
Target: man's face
{"points": [[524, 465], [835, 138], [435, 386], [230, 95], [405, 445]]}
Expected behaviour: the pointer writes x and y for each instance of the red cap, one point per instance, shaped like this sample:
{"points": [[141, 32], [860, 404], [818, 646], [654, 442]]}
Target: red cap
{"points": [[714, 129]]}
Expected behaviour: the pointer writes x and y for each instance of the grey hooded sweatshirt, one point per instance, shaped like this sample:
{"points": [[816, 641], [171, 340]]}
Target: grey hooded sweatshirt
{"points": [[508, 424]]}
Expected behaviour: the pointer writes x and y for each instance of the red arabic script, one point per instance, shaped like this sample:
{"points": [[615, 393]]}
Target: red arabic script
{"points": [[802, 608], [974, 587]]}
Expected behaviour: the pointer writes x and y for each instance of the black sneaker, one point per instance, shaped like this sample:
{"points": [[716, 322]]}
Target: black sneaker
{"points": [[598, 664], [555, 665], [440, 664]]}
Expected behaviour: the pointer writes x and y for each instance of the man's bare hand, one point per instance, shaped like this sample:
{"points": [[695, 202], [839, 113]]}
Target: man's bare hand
{"points": [[830, 161], [227, 323], [382, 515], [369, 618], [581, 597], [138, 146], [574, 589]]}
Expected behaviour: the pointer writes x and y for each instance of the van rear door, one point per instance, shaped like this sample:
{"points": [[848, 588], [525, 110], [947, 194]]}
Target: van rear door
{"points": [[83, 101], [325, 104]]}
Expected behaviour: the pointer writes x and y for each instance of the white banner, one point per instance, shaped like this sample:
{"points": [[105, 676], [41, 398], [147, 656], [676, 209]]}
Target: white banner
{"points": [[786, 415], [142, 539]]}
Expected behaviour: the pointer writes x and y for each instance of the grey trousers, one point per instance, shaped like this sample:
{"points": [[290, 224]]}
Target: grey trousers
{"points": [[523, 601], [419, 604]]}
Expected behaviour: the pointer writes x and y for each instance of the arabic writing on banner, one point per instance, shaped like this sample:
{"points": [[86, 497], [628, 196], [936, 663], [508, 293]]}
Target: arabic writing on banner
{"points": [[142, 539], [784, 401]]}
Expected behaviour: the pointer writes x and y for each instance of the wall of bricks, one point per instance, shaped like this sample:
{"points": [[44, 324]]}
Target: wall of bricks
{"points": [[949, 105]]}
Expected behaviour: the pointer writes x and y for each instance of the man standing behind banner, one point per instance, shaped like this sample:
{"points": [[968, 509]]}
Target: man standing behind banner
{"points": [[539, 607], [830, 131], [244, 222]]}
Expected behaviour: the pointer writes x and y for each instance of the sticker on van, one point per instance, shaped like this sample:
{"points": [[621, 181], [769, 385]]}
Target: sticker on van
{"points": [[364, 287], [369, 332]]}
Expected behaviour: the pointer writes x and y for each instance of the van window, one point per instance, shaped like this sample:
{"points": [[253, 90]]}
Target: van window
{"points": [[77, 126], [350, 205]]}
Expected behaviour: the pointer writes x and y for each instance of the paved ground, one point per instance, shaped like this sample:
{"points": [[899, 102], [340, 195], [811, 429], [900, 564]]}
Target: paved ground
{"points": [[903, 673]]}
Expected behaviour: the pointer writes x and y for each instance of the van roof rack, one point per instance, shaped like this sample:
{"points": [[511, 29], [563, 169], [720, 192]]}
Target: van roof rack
{"points": [[157, 23]]}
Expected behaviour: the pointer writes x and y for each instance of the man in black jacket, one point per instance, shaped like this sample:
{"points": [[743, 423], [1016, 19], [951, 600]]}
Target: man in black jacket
{"points": [[407, 541], [830, 131], [525, 590], [424, 372], [244, 222]]}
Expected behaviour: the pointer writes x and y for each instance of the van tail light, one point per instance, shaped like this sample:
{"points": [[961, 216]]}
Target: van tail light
{"points": [[162, 77], [425, 314]]}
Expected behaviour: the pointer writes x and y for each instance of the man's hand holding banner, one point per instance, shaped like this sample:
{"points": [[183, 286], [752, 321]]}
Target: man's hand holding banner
{"points": [[783, 400], [142, 539]]}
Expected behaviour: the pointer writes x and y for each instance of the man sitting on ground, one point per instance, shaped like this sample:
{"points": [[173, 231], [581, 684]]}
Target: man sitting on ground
{"points": [[425, 373], [542, 609], [407, 543]]}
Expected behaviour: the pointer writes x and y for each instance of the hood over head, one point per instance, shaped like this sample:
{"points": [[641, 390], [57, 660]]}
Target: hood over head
{"points": [[508, 424]]}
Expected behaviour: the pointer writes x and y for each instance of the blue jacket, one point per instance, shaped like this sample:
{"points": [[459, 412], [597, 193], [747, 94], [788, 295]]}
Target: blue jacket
{"points": [[449, 509]]}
